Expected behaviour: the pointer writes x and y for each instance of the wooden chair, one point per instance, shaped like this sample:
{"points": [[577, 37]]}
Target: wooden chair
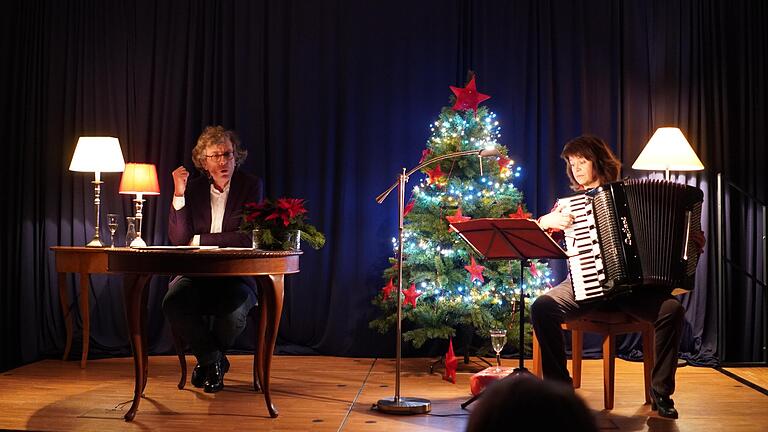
{"points": [[608, 324], [179, 345]]}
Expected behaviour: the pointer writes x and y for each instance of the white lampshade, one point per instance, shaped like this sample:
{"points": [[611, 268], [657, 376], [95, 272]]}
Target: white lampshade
{"points": [[668, 150], [97, 154]]}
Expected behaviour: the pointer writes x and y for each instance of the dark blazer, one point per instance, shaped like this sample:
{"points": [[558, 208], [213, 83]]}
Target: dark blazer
{"points": [[195, 216]]}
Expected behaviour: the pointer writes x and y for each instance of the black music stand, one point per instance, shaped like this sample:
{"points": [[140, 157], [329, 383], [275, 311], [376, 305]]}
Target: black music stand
{"points": [[509, 239]]}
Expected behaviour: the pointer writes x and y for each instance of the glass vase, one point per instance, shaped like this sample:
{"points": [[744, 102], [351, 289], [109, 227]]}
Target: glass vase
{"points": [[256, 238], [130, 234], [293, 240]]}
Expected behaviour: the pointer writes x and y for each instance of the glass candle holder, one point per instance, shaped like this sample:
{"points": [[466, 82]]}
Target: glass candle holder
{"points": [[112, 224]]}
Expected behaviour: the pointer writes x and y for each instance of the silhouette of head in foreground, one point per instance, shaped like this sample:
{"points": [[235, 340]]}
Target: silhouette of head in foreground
{"points": [[525, 402]]}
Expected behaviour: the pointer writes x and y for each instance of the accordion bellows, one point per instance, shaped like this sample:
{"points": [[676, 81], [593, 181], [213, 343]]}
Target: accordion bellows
{"points": [[633, 234]]}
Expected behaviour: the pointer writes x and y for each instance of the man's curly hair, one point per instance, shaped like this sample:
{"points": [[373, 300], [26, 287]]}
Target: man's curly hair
{"points": [[215, 135]]}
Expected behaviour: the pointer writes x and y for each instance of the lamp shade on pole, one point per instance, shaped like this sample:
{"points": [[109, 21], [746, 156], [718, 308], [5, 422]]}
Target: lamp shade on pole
{"points": [[668, 150], [97, 154], [139, 178]]}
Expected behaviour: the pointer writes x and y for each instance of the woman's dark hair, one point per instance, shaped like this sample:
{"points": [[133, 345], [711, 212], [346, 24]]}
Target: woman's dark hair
{"points": [[605, 164]]}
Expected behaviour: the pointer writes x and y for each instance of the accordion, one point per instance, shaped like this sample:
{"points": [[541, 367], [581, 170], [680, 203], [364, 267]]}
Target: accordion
{"points": [[632, 234]]}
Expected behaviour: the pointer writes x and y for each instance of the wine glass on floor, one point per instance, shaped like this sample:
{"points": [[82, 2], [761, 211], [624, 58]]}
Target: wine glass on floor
{"points": [[112, 224], [498, 340]]}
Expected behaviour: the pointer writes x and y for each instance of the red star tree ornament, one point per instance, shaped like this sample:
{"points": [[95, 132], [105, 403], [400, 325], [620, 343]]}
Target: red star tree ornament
{"points": [[457, 217], [520, 213], [468, 97], [536, 273], [411, 295], [425, 154], [475, 270], [451, 363], [387, 290], [504, 161], [408, 207], [435, 174]]}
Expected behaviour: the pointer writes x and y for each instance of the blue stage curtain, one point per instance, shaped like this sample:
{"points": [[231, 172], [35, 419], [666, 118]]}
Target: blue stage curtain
{"points": [[332, 99]]}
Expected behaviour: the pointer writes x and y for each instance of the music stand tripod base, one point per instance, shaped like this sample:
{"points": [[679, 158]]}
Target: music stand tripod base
{"points": [[404, 405]]}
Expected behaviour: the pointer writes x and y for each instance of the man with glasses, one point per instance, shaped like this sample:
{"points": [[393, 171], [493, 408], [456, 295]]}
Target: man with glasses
{"points": [[210, 312]]}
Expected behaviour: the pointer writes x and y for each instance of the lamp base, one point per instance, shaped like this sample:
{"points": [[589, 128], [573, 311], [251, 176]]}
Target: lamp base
{"points": [[95, 243], [404, 405], [138, 242]]}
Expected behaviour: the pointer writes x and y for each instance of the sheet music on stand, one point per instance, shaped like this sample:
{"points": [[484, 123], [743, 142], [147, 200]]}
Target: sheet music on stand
{"points": [[509, 239]]}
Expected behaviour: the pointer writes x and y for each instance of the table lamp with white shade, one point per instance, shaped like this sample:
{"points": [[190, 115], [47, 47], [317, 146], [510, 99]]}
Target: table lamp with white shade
{"points": [[97, 154], [668, 150], [139, 179]]}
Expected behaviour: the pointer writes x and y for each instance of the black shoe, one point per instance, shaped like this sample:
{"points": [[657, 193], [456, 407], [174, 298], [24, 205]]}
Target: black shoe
{"points": [[198, 375], [214, 379], [664, 404]]}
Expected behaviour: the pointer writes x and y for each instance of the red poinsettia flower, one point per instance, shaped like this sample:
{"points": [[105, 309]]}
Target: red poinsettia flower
{"points": [[253, 211], [278, 220], [294, 206], [287, 209]]}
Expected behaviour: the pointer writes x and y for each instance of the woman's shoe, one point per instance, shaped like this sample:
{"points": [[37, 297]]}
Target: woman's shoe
{"points": [[664, 404]]}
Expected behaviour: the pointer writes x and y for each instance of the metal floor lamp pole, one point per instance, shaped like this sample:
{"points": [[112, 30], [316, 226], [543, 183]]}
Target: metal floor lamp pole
{"points": [[399, 404]]}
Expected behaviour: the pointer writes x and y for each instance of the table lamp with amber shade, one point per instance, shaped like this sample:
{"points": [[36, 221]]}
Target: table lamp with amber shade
{"points": [[97, 154], [139, 179]]}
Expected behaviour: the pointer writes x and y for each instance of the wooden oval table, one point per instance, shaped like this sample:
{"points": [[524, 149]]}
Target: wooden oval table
{"points": [[139, 265]]}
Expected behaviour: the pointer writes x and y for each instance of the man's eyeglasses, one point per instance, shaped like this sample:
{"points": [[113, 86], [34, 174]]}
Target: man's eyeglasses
{"points": [[218, 157]]}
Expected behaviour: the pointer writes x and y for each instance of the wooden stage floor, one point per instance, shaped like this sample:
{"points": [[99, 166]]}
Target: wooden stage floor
{"points": [[336, 394]]}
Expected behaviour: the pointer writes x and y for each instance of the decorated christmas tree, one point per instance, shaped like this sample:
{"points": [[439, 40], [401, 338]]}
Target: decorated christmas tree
{"points": [[446, 284]]}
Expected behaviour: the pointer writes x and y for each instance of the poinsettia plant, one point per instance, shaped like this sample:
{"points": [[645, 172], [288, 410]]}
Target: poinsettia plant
{"points": [[275, 219]]}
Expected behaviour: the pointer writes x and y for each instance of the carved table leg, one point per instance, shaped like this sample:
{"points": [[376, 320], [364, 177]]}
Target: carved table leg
{"points": [[144, 345], [133, 287], [64, 299], [179, 345], [255, 313], [264, 285], [85, 312], [273, 291]]}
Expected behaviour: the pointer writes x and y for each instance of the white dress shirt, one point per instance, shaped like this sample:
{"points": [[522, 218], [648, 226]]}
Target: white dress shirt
{"points": [[218, 205]]}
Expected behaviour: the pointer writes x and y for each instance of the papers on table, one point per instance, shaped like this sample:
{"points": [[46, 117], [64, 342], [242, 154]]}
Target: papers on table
{"points": [[175, 247]]}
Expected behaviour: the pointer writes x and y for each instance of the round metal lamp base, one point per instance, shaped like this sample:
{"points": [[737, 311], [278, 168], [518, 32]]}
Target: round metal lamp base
{"points": [[404, 405], [95, 243]]}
